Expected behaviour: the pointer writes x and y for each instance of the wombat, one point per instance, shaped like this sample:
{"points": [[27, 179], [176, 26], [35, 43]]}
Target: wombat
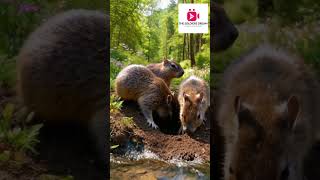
{"points": [[167, 70], [194, 100], [62, 71], [268, 114], [138, 83]]}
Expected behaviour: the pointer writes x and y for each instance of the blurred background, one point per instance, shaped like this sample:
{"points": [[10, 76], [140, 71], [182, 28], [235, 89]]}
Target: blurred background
{"points": [[293, 25]]}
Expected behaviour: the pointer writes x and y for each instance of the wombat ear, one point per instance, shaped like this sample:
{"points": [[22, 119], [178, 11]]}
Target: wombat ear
{"points": [[165, 61], [169, 99], [293, 107]]}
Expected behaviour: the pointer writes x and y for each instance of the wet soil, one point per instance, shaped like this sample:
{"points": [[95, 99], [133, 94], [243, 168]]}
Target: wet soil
{"points": [[164, 142]]}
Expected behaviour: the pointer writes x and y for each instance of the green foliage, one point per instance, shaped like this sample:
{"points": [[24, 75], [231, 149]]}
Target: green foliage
{"points": [[19, 18], [7, 72], [203, 58], [19, 139], [115, 103], [241, 11], [127, 122], [5, 156], [302, 39], [185, 64], [15, 25], [203, 73], [310, 49]]}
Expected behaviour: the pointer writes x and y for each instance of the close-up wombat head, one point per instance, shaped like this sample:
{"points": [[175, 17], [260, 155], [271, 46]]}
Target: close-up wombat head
{"points": [[173, 67], [190, 113], [265, 147]]}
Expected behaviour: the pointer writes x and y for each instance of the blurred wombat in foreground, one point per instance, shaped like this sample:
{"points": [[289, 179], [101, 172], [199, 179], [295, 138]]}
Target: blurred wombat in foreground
{"points": [[63, 69], [268, 111]]}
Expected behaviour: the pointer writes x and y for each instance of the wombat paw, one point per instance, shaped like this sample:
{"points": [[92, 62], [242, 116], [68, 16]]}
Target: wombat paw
{"points": [[153, 125]]}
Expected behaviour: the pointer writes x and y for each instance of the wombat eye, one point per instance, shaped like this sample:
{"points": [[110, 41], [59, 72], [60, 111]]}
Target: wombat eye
{"points": [[173, 66], [198, 116]]}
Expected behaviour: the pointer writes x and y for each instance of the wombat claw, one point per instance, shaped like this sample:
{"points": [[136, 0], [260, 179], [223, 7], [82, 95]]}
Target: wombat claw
{"points": [[153, 125]]}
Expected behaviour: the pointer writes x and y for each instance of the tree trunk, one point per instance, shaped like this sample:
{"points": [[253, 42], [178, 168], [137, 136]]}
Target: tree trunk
{"points": [[184, 47], [188, 46], [193, 62]]}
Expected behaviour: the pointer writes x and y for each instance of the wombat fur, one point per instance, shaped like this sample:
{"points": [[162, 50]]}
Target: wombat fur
{"points": [[138, 83], [62, 71], [194, 100], [267, 110]]}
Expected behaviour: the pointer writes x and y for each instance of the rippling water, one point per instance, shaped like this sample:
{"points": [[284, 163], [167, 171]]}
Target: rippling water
{"points": [[148, 166]]}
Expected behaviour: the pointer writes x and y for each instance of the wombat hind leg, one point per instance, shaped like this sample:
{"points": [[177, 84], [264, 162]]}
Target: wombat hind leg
{"points": [[147, 112]]}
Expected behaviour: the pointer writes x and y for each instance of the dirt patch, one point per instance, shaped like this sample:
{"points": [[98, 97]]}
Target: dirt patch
{"points": [[166, 143]]}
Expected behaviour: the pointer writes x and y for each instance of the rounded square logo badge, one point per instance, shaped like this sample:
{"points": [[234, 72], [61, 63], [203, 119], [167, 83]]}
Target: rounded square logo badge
{"points": [[193, 18]]}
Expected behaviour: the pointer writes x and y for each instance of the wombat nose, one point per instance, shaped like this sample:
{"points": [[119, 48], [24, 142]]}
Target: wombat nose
{"points": [[182, 72], [191, 129]]}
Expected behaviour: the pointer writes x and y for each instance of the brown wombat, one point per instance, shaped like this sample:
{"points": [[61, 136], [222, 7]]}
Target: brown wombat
{"points": [[194, 100], [63, 69], [268, 113], [138, 83], [167, 70]]}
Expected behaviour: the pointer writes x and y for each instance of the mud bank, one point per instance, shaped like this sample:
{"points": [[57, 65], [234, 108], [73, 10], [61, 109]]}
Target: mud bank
{"points": [[165, 143]]}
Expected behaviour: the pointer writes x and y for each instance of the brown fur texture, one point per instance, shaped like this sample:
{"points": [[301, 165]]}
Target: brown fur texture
{"points": [[194, 100], [167, 70], [138, 83], [268, 115], [62, 71]]}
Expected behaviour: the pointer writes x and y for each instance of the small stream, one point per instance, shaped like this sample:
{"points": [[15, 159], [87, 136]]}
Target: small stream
{"points": [[148, 166]]}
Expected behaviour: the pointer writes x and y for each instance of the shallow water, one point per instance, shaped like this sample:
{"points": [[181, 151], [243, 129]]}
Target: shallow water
{"points": [[149, 167]]}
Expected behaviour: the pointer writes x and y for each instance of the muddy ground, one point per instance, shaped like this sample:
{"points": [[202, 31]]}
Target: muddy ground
{"points": [[164, 142]]}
